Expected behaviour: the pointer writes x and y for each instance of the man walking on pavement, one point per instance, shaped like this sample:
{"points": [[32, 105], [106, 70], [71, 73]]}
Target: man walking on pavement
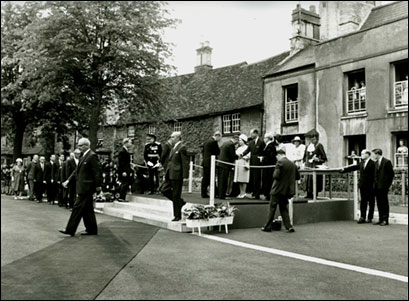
{"points": [[88, 177], [285, 175]]}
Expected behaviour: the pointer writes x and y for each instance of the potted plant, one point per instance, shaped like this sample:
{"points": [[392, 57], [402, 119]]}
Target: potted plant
{"points": [[199, 215]]}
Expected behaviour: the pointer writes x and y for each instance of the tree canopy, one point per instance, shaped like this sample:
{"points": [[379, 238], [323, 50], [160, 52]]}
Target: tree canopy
{"points": [[78, 58]]}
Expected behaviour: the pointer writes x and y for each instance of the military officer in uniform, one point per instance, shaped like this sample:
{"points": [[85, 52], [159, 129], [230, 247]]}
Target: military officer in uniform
{"points": [[152, 155]]}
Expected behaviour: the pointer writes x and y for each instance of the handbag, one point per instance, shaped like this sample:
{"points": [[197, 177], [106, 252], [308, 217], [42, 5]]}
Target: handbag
{"points": [[276, 225]]}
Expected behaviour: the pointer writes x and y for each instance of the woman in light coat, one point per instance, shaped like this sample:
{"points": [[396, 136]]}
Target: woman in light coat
{"points": [[17, 177], [242, 168]]}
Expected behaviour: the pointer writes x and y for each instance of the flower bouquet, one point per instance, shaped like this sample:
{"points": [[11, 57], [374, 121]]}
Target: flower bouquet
{"points": [[199, 215]]}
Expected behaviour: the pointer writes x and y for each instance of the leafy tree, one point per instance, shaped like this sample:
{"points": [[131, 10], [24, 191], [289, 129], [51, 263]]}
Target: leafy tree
{"points": [[97, 54], [18, 107]]}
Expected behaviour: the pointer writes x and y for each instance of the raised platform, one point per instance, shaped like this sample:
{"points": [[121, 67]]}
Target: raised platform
{"points": [[157, 210], [254, 214]]}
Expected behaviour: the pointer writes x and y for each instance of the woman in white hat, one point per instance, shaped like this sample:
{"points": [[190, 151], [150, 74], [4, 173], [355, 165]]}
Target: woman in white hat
{"points": [[242, 168], [298, 151], [17, 177]]}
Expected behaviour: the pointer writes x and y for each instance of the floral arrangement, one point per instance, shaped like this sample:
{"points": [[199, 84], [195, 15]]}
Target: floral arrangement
{"points": [[199, 211]]}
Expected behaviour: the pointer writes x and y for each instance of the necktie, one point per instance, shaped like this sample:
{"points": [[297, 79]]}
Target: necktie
{"points": [[379, 163]]}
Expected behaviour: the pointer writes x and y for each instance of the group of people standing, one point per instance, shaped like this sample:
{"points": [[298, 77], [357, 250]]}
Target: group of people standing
{"points": [[41, 176], [172, 158], [250, 162], [376, 177]]}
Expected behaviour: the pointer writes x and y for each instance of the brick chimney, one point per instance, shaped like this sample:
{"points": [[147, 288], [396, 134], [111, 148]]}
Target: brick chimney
{"points": [[204, 57], [306, 28]]}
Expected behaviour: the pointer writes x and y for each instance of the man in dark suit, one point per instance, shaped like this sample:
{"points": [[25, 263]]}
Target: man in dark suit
{"points": [[88, 177], [39, 179], [51, 176], [166, 149], [256, 148], [227, 154], [285, 175], [176, 170], [383, 180], [124, 168], [62, 177], [268, 159], [366, 184], [210, 148], [72, 164]]}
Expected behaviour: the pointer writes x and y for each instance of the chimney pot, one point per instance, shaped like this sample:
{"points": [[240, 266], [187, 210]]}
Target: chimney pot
{"points": [[312, 8]]}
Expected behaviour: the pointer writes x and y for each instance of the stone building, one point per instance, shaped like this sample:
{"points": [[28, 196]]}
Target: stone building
{"points": [[351, 87], [228, 99]]}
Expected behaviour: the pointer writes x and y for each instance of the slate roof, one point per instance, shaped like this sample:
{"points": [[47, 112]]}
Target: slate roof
{"points": [[302, 58], [213, 91], [386, 13]]}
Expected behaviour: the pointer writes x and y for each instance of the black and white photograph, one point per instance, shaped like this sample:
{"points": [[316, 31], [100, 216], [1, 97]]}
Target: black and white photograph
{"points": [[204, 150]]}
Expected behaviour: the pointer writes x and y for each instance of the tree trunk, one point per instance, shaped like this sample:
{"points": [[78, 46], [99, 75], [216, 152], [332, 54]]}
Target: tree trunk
{"points": [[20, 127], [49, 146]]}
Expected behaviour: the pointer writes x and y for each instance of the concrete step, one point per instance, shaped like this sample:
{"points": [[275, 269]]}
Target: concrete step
{"points": [[165, 203], [161, 211], [150, 219]]}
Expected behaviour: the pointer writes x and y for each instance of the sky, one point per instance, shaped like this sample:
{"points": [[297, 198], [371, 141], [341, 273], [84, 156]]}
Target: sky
{"points": [[238, 31]]}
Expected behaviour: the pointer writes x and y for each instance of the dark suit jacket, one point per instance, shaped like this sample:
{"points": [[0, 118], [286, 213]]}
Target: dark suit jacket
{"points": [[178, 164], [256, 150], [227, 154], [269, 154], [384, 174], [164, 158], [285, 175], [71, 167], [88, 174], [52, 172], [124, 163], [39, 174], [210, 148], [30, 170], [62, 172], [366, 174]]}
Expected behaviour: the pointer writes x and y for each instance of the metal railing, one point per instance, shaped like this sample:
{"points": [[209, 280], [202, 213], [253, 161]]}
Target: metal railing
{"points": [[291, 111], [401, 160], [401, 93], [356, 100]]}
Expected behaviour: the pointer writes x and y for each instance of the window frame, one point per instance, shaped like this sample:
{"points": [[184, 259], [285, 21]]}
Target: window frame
{"points": [[177, 126], [294, 103], [131, 129], [232, 122]]}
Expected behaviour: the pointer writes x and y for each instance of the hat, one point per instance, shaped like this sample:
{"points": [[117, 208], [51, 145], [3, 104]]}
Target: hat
{"points": [[243, 137], [151, 136], [296, 138]]}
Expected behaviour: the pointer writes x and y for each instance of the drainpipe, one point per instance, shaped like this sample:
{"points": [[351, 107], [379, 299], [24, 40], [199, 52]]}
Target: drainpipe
{"points": [[317, 89]]}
